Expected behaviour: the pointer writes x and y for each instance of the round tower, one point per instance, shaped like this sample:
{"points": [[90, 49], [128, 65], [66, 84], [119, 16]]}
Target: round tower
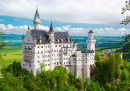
{"points": [[37, 20], [91, 41]]}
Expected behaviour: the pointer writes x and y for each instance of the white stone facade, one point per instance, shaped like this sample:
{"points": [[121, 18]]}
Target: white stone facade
{"points": [[53, 52]]}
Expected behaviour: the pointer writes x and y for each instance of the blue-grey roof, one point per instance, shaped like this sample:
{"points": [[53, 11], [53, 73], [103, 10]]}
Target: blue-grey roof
{"points": [[87, 51], [63, 35], [110, 51], [28, 48], [73, 55], [90, 31], [37, 34]]}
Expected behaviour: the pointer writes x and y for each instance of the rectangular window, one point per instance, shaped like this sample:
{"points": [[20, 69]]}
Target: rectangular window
{"points": [[59, 45], [55, 45], [41, 46], [37, 46]]}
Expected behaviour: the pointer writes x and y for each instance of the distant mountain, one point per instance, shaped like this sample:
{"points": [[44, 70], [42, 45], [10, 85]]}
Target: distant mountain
{"points": [[11, 36], [78, 39]]}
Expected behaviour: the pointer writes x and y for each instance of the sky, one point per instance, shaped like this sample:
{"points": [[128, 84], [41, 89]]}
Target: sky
{"points": [[76, 16]]}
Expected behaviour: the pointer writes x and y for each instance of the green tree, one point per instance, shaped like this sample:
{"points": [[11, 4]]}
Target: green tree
{"points": [[2, 43], [108, 86], [97, 57], [126, 38], [42, 67]]}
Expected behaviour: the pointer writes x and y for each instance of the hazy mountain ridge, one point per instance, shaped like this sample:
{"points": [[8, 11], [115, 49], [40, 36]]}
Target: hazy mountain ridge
{"points": [[74, 38]]}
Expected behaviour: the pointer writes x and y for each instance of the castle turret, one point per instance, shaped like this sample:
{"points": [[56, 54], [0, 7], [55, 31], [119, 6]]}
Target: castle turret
{"points": [[51, 39], [91, 41], [22, 38], [51, 33], [37, 20]]}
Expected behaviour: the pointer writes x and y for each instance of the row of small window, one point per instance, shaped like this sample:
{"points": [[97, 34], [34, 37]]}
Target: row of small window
{"points": [[54, 50], [42, 46], [28, 46], [82, 58], [26, 65], [57, 63], [49, 55], [49, 46], [27, 57], [57, 59], [27, 52], [60, 46]]}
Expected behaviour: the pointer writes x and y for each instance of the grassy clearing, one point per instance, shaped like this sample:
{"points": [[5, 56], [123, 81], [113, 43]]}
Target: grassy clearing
{"points": [[10, 54]]}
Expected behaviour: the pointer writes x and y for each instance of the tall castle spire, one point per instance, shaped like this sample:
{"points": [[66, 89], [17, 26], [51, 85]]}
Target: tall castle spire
{"points": [[51, 27], [37, 14], [36, 20]]}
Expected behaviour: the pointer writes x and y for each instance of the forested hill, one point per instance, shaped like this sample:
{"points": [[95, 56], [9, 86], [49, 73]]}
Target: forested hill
{"points": [[74, 38], [11, 36]]}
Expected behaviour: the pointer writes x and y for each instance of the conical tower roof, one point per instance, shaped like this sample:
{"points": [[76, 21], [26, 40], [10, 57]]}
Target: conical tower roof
{"points": [[51, 27], [37, 14]]}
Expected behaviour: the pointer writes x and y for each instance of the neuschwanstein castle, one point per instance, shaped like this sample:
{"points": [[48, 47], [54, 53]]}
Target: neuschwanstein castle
{"points": [[56, 49]]}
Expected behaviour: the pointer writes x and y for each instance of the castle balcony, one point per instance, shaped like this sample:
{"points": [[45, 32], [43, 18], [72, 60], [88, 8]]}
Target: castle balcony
{"points": [[28, 59], [65, 52], [28, 54]]}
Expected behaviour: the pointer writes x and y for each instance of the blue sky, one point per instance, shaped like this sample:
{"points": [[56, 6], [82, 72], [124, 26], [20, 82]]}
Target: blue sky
{"points": [[76, 16]]}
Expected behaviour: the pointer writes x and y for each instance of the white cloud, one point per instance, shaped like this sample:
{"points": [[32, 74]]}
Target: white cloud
{"points": [[10, 29], [73, 11]]}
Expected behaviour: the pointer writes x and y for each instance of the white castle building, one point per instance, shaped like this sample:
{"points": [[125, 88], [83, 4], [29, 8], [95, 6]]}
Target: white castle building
{"points": [[56, 49]]}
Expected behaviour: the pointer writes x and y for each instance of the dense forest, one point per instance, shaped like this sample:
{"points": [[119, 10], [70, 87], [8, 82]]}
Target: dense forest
{"points": [[110, 74]]}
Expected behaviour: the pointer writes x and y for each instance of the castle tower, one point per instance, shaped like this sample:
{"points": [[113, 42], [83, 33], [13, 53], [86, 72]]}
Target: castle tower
{"points": [[91, 41], [51, 33], [37, 20], [51, 39]]}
